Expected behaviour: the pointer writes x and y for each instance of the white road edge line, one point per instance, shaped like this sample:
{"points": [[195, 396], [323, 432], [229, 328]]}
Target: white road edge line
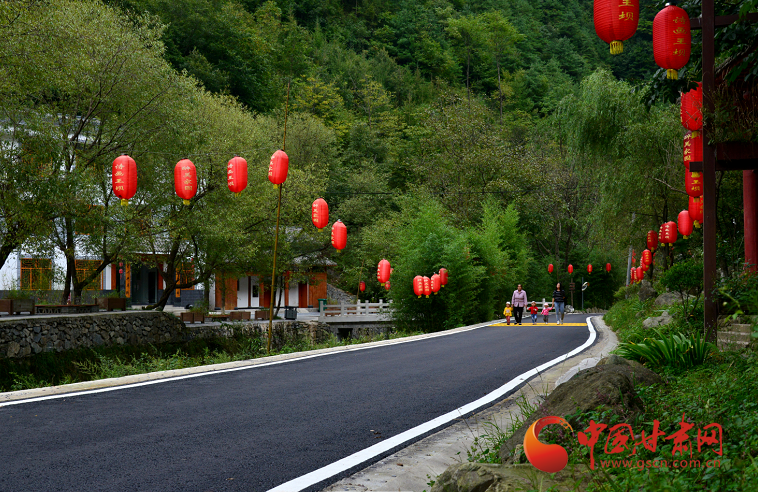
{"points": [[221, 371], [356, 459]]}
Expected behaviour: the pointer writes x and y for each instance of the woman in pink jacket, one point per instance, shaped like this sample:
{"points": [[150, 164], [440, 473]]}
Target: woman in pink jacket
{"points": [[518, 301]]}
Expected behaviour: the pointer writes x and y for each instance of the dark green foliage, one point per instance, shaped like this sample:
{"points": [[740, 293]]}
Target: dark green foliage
{"points": [[484, 265], [685, 278]]}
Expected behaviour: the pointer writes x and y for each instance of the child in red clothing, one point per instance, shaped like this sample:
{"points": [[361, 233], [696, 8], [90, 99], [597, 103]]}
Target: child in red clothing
{"points": [[533, 309]]}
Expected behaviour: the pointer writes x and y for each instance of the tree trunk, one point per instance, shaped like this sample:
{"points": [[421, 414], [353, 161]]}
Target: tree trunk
{"points": [[468, 68], [499, 89]]}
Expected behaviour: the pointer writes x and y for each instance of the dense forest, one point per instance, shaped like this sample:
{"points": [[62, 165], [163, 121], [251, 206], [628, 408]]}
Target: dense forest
{"points": [[490, 137]]}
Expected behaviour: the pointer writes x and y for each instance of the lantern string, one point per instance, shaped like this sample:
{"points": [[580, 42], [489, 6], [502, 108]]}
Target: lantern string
{"points": [[286, 110]]}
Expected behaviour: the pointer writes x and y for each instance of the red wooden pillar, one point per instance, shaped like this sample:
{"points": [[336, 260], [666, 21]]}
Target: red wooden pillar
{"points": [[749, 198]]}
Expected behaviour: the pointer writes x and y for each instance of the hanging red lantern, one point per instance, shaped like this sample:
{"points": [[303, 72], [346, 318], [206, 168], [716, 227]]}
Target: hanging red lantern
{"points": [[571, 269], [443, 277], [640, 274], [185, 180], [608, 267], [693, 183], [427, 286], [418, 285], [672, 40], [435, 283], [383, 271], [668, 233], [387, 285], [645, 268], [616, 21], [696, 210], [320, 213], [124, 178], [362, 286], [589, 269], [550, 268], [684, 221], [693, 148], [339, 235], [646, 258], [691, 109], [236, 174], [633, 275], [278, 167], [652, 240]]}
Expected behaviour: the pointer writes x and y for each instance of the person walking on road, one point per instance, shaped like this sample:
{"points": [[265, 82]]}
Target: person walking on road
{"points": [[545, 312], [519, 302], [533, 309], [507, 312], [559, 303]]}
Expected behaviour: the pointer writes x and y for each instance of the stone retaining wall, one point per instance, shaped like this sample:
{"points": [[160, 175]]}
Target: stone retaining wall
{"points": [[22, 336], [28, 335]]}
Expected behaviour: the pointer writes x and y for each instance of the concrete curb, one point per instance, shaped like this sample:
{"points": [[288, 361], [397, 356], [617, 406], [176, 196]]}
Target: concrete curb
{"points": [[411, 468], [209, 369]]}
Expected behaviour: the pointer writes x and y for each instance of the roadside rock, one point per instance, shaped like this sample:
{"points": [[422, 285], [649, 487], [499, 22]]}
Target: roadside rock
{"points": [[646, 291], [609, 384], [485, 477], [667, 298], [664, 319]]}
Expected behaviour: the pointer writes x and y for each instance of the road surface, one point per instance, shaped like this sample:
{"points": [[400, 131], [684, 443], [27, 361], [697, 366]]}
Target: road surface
{"points": [[257, 428]]}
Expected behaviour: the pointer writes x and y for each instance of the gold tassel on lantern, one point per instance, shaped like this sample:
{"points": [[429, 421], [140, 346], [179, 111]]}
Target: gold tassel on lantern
{"points": [[617, 47], [672, 74]]}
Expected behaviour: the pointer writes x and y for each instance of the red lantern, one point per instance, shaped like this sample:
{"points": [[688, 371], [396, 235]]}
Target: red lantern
{"points": [[339, 235], [616, 21], [668, 233], [633, 275], [693, 183], [691, 111], [443, 277], [685, 223], [185, 180], [640, 274], [427, 286], [608, 267], [278, 167], [672, 40], [647, 258], [362, 286], [696, 210], [571, 268], [418, 285], [320, 213], [383, 271], [652, 240], [589, 269], [645, 267], [693, 148], [387, 285], [550, 268], [435, 283], [236, 175], [124, 178]]}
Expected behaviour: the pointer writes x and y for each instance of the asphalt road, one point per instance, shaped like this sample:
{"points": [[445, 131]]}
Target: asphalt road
{"points": [[254, 429]]}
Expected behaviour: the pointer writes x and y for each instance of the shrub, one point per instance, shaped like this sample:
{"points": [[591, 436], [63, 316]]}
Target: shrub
{"points": [[739, 293], [685, 278], [675, 350]]}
